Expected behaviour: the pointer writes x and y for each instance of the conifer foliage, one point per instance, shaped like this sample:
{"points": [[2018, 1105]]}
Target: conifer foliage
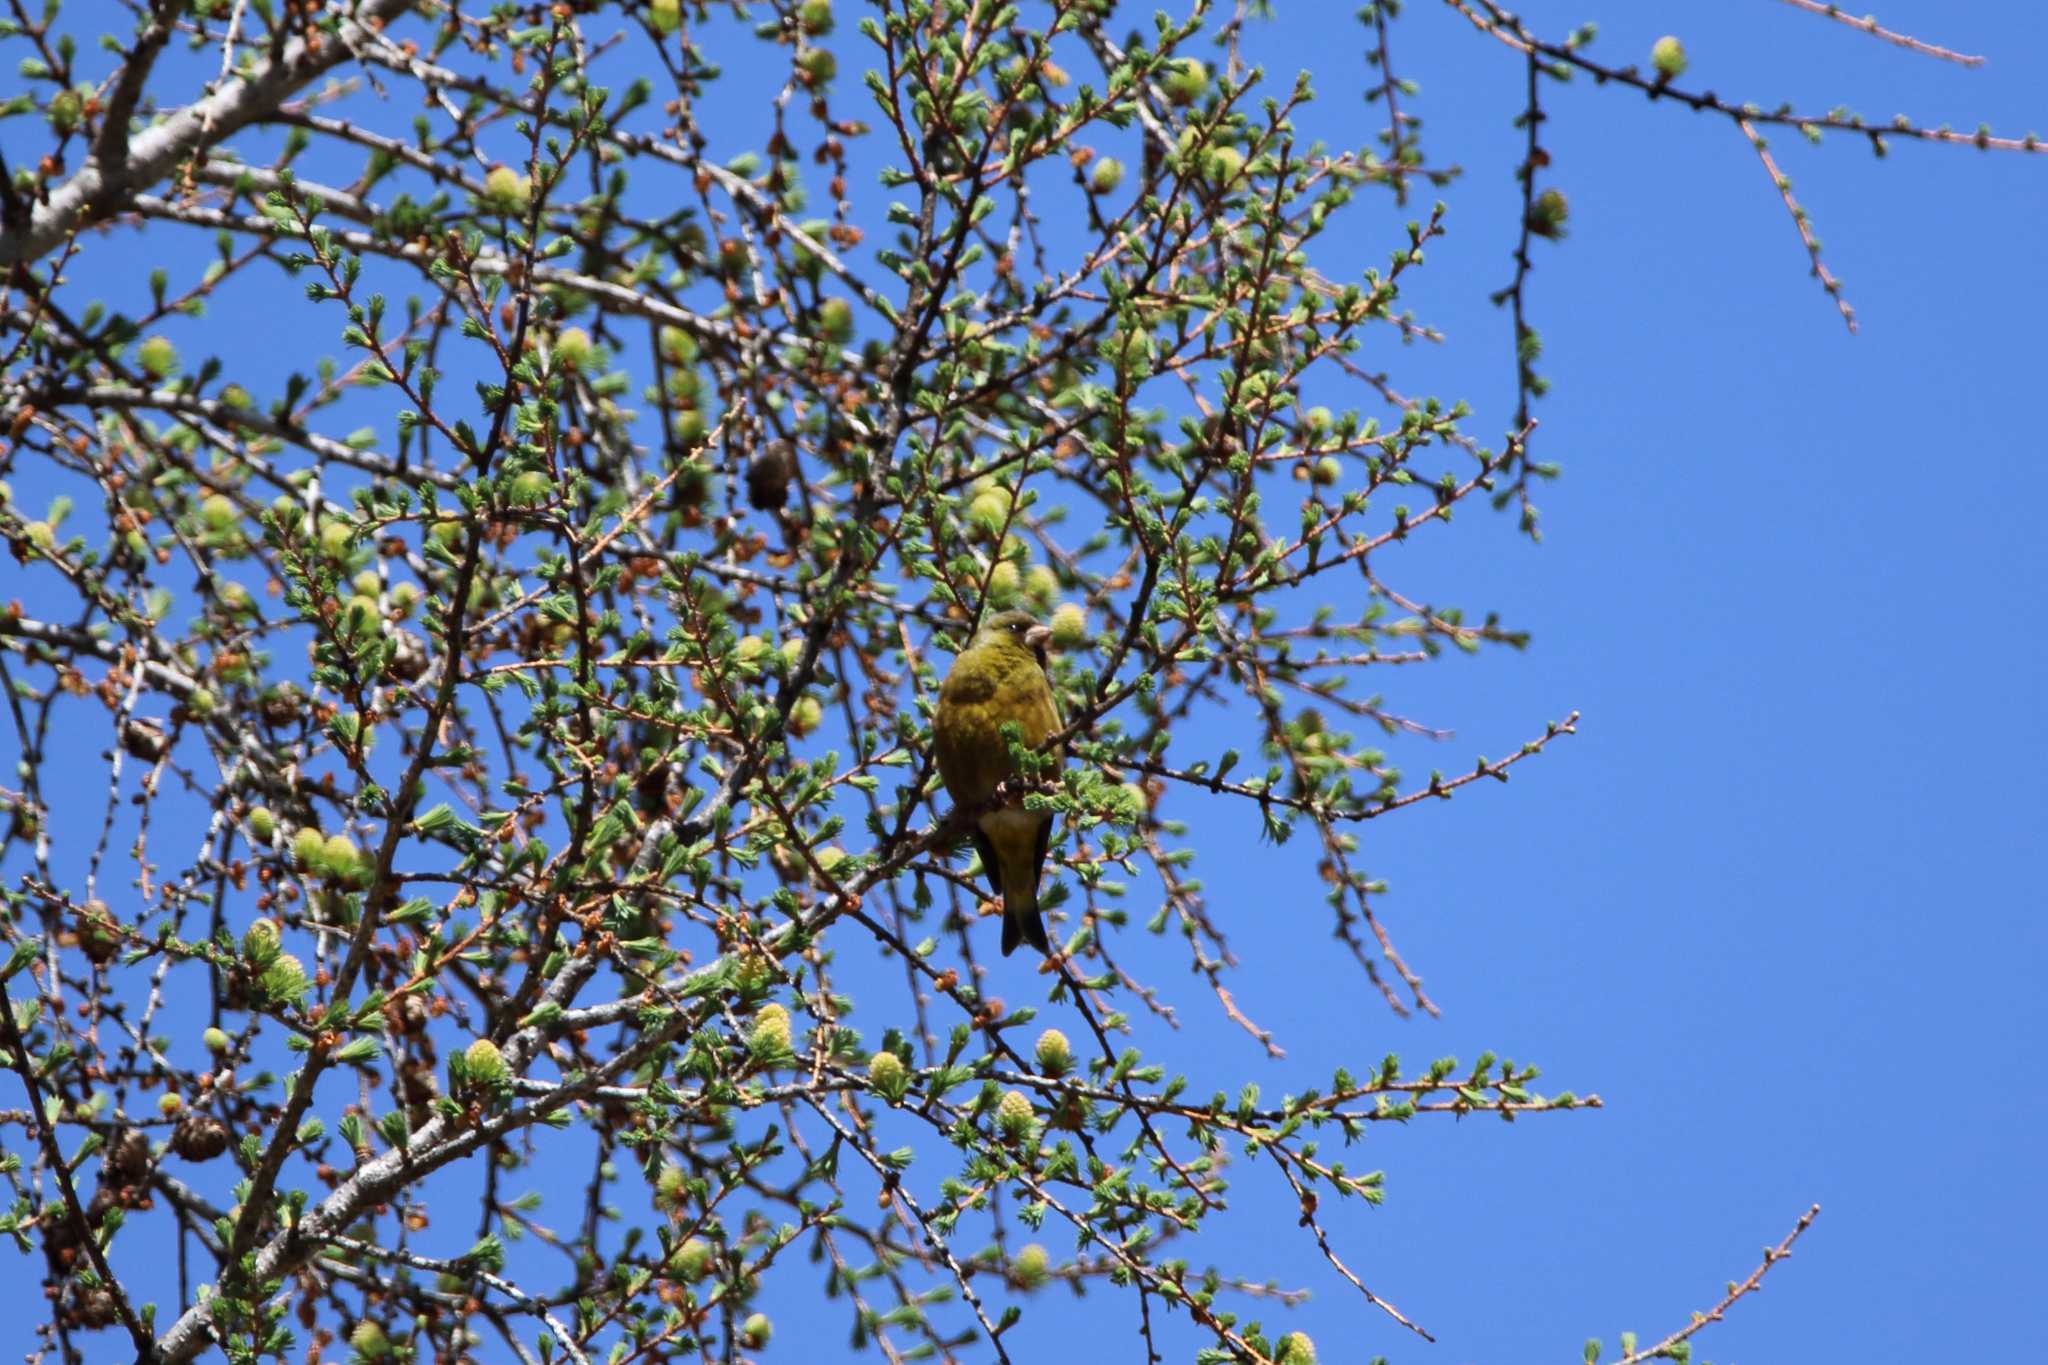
{"points": [[491, 489]]}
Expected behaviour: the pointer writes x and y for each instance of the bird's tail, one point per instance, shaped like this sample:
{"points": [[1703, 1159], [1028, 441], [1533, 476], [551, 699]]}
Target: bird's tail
{"points": [[1022, 921]]}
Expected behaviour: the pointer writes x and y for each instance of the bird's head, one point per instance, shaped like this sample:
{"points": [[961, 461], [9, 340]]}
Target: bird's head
{"points": [[1014, 630]]}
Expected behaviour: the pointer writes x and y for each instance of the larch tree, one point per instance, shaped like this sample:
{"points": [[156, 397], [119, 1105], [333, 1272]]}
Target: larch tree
{"points": [[476, 886]]}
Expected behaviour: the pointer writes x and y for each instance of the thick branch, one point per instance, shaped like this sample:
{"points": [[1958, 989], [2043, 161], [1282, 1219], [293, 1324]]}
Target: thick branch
{"points": [[100, 188]]}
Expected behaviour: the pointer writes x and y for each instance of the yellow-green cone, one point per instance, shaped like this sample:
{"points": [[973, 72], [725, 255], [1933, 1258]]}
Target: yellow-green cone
{"points": [[308, 847], [260, 943], [369, 1340], [769, 1040], [1014, 1116], [1054, 1054], [285, 978], [1030, 1266], [1070, 626], [888, 1075], [340, 859], [507, 191], [1667, 55], [485, 1064], [693, 1260]]}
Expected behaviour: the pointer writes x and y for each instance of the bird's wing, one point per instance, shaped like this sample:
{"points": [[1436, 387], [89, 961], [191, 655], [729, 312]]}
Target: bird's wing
{"points": [[1052, 817], [1052, 723], [990, 868]]}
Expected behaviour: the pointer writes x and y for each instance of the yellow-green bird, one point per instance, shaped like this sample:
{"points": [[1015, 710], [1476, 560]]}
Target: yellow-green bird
{"points": [[1000, 677]]}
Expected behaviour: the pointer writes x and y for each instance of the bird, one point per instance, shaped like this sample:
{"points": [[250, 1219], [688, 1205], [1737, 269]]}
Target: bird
{"points": [[1000, 677]]}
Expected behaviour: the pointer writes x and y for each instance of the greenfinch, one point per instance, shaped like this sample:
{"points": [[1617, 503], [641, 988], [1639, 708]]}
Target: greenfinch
{"points": [[1000, 678]]}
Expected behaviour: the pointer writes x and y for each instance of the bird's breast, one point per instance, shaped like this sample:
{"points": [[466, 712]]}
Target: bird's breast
{"points": [[1012, 826]]}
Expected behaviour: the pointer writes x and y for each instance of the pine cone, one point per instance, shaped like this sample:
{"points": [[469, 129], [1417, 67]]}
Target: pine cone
{"points": [[768, 476], [128, 1156], [144, 738], [200, 1137], [93, 1309], [99, 938]]}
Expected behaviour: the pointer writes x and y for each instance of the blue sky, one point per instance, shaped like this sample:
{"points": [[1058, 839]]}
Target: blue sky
{"points": [[1775, 903]]}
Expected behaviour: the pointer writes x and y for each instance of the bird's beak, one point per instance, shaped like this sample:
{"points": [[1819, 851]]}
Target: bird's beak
{"points": [[1038, 637]]}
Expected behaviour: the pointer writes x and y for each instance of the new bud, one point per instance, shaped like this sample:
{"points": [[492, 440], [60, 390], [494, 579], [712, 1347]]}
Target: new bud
{"points": [[770, 1039], [485, 1064], [1185, 81], [284, 980], [158, 357], [1014, 1116], [260, 943], [1296, 1349], [307, 847], [888, 1075], [1054, 1055], [693, 1260], [1667, 54], [1070, 626], [507, 191], [369, 1340], [340, 859], [1030, 1266]]}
